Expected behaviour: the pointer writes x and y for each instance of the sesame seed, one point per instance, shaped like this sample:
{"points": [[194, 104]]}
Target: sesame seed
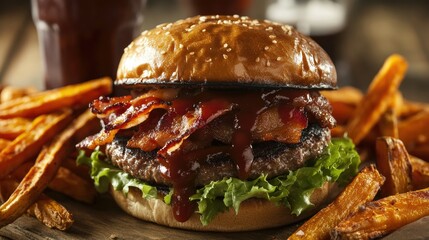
{"points": [[287, 29], [228, 49], [274, 41], [266, 48], [279, 58], [244, 25], [244, 18], [257, 59], [180, 45], [272, 36], [188, 29], [203, 18], [167, 33], [208, 60], [191, 53], [204, 30], [217, 16], [144, 33], [167, 26], [225, 56], [235, 16], [268, 63], [225, 45], [161, 25], [163, 52]]}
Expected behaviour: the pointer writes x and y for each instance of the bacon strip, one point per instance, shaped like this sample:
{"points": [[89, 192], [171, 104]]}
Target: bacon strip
{"points": [[200, 117], [137, 112], [171, 128], [167, 129], [104, 106], [272, 125]]}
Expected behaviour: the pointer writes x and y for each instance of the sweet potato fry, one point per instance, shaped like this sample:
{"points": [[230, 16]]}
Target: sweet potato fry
{"points": [[410, 108], [420, 174], [65, 182], [362, 189], [4, 143], [421, 151], [414, 130], [46, 210], [44, 170], [388, 124], [28, 144], [344, 102], [51, 213], [51, 100], [342, 112], [80, 170], [393, 162], [9, 93], [380, 95], [381, 217], [347, 95], [72, 185], [397, 104], [13, 127]]}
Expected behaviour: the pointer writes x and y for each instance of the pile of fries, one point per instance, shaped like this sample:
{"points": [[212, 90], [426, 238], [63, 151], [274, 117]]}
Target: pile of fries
{"points": [[38, 133], [392, 136]]}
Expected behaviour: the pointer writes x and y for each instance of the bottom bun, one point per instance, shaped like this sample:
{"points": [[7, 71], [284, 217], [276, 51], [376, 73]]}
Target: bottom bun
{"points": [[254, 214]]}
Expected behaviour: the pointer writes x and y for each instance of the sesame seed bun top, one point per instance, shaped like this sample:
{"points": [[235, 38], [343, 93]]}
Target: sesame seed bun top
{"points": [[225, 51]]}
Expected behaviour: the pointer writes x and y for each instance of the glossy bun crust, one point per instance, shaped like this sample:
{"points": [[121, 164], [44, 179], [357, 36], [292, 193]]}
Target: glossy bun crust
{"points": [[225, 51], [254, 214]]}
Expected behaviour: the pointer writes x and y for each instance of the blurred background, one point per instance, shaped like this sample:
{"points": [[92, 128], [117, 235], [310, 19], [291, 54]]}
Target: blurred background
{"points": [[358, 35]]}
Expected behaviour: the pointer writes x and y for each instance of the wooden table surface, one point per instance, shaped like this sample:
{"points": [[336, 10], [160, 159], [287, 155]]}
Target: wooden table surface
{"points": [[105, 220]]}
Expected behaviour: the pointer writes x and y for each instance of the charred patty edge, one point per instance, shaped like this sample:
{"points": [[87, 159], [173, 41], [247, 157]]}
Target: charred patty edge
{"points": [[270, 158]]}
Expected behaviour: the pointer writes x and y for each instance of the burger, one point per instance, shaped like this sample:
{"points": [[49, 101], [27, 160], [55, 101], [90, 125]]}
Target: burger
{"points": [[224, 128]]}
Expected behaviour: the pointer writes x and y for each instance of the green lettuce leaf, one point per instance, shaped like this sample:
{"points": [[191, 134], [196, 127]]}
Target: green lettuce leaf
{"points": [[339, 164], [104, 174]]}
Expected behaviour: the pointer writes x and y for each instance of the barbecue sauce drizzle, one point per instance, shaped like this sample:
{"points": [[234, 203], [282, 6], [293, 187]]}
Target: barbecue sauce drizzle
{"points": [[180, 167]]}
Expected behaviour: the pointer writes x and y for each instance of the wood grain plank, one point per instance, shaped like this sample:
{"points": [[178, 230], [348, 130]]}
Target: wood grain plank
{"points": [[104, 220]]}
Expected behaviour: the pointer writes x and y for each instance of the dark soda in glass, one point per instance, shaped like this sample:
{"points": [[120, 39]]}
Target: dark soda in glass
{"points": [[84, 39]]}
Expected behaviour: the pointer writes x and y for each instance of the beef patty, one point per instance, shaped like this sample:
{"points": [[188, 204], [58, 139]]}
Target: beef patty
{"points": [[271, 158]]}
